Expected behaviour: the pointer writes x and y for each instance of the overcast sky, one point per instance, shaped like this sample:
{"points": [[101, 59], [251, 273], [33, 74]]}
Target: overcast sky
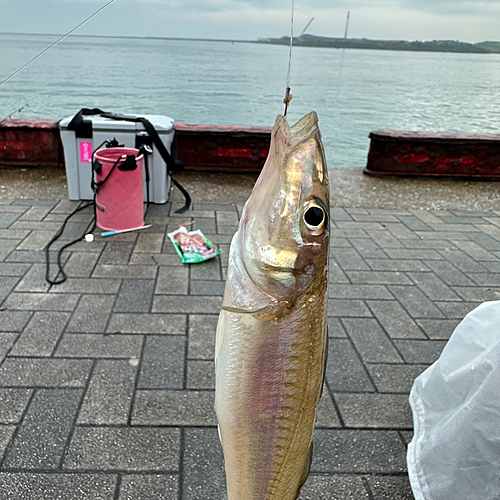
{"points": [[466, 20]]}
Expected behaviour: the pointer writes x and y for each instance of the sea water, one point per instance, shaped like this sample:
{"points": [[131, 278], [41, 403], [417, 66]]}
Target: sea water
{"points": [[353, 91]]}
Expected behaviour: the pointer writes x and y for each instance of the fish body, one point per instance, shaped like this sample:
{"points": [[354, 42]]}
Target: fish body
{"points": [[271, 337]]}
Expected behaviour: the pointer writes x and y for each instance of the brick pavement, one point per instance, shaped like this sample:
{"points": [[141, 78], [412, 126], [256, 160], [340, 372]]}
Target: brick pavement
{"points": [[106, 381]]}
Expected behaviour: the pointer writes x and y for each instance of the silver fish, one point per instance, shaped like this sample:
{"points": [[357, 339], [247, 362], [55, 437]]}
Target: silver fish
{"points": [[272, 336]]}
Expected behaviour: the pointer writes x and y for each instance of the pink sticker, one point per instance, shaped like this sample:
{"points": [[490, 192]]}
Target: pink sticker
{"points": [[85, 152]]}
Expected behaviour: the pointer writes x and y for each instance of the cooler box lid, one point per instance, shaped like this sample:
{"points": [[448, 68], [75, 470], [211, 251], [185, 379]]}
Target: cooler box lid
{"points": [[163, 124]]}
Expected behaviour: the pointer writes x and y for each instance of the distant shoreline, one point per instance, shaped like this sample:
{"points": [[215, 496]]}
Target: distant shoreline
{"points": [[455, 46], [398, 45]]}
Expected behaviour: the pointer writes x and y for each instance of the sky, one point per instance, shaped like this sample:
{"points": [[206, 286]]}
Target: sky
{"points": [[465, 20]]}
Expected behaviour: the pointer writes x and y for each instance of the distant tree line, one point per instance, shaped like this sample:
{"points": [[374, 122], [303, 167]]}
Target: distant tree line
{"points": [[365, 43]]}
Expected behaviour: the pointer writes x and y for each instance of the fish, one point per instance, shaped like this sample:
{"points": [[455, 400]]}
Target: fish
{"points": [[271, 339]]}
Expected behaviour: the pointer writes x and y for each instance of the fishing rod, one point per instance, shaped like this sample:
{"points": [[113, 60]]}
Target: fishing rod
{"points": [[55, 43], [288, 96], [13, 113]]}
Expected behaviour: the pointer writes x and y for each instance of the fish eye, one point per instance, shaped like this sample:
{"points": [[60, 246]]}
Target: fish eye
{"points": [[315, 219]]}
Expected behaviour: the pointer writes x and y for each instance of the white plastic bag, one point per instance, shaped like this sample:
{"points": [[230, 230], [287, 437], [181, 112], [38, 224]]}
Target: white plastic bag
{"points": [[455, 451]]}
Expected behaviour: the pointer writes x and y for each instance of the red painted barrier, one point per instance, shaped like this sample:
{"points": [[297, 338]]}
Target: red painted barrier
{"points": [[439, 154], [30, 143]]}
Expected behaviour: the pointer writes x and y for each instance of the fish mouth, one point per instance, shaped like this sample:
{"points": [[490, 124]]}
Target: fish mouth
{"points": [[300, 131]]}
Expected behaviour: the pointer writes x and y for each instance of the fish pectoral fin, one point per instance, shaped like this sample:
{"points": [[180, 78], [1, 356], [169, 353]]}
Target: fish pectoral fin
{"points": [[307, 468]]}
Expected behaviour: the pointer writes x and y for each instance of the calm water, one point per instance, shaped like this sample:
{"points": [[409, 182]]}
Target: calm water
{"points": [[353, 91]]}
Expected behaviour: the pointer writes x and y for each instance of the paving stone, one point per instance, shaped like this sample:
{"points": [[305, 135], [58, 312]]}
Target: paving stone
{"points": [[88, 285], [449, 273], [6, 433], [172, 281], [36, 240], [414, 223], [92, 314], [14, 321], [226, 218], [394, 378], [348, 308], [420, 351], [109, 394], [348, 291], [174, 408], [378, 277], [432, 244], [163, 363], [6, 286], [456, 310], [400, 231], [415, 302], [478, 294], [116, 253], [6, 342], [338, 242], [44, 372], [13, 234], [349, 233], [407, 253], [81, 265], [208, 270], [340, 451], [426, 216], [149, 242], [494, 267], [371, 341], [186, 304], [41, 335], [476, 252], [203, 466], [337, 214], [34, 280], [124, 448], [13, 403], [37, 212], [390, 487], [82, 345], [7, 218], [148, 323], [345, 370], [433, 287], [335, 274], [326, 414], [206, 287], [207, 225], [406, 436], [40, 301], [489, 279], [44, 431], [124, 271], [149, 487], [212, 207], [13, 269], [33, 486], [367, 248], [485, 240], [150, 259], [395, 320], [201, 339], [385, 239], [385, 410], [463, 261], [135, 296], [397, 265], [200, 374], [438, 328], [6, 247], [336, 328], [349, 259], [338, 487]]}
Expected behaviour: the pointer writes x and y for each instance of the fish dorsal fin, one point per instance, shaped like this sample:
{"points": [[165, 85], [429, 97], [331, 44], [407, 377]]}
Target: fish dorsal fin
{"points": [[242, 295]]}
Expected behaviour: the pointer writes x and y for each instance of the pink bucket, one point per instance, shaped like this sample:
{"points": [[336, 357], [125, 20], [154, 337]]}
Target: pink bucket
{"points": [[120, 200]]}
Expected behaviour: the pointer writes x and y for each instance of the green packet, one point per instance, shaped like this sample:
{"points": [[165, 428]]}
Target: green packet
{"points": [[192, 246]]}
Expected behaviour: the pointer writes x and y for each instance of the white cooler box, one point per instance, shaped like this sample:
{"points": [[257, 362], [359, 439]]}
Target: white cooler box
{"points": [[78, 153]]}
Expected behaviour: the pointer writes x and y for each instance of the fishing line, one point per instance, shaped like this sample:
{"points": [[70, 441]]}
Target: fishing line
{"points": [[13, 113], [288, 96], [55, 43]]}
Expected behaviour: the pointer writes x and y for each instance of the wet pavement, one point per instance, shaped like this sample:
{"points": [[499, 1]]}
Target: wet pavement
{"points": [[106, 381]]}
